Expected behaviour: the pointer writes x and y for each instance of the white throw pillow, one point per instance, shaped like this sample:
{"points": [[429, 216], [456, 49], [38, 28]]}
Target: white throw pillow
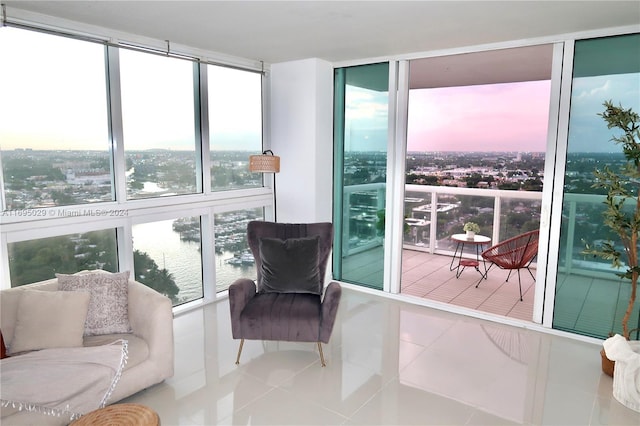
{"points": [[109, 302], [49, 319]]}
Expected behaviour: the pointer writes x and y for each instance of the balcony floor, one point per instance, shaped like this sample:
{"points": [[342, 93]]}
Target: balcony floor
{"points": [[582, 301], [428, 276]]}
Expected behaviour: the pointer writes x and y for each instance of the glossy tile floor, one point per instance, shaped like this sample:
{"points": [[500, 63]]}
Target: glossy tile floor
{"points": [[388, 362]]}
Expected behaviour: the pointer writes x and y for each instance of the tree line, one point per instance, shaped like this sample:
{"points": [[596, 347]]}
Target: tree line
{"points": [[37, 260]]}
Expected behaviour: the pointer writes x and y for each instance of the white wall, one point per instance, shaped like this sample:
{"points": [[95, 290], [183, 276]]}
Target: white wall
{"points": [[302, 135]]}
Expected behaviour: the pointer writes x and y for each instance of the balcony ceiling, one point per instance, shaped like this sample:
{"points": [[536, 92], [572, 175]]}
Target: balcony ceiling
{"points": [[278, 31]]}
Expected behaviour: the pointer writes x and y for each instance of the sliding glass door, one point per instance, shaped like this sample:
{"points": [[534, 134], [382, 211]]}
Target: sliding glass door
{"points": [[360, 172], [477, 133], [590, 299], [533, 115]]}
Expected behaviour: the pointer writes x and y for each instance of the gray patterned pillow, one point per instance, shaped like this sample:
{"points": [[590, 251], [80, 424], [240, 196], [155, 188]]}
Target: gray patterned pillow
{"points": [[109, 302]]}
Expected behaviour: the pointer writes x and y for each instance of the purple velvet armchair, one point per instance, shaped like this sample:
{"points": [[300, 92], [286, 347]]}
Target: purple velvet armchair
{"points": [[287, 304]]}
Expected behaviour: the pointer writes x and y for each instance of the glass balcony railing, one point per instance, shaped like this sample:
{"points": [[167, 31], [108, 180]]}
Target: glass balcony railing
{"points": [[501, 214], [363, 221], [582, 216]]}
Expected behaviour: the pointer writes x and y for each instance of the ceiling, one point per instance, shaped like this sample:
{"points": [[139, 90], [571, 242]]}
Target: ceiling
{"points": [[278, 31], [529, 63]]}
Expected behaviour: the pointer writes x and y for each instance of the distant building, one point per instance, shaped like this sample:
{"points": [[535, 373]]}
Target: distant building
{"points": [[96, 177]]}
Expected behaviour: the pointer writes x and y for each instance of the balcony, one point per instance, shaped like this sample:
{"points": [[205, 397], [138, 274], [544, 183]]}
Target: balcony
{"points": [[500, 214], [428, 250], [589, 299]]}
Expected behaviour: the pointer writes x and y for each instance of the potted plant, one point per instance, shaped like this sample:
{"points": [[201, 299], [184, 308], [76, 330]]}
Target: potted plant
{"points": [[471, 228], [622, 187]]}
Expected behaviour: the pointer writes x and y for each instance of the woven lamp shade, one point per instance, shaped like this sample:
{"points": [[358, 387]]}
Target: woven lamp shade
{"points": [[264, 163]]}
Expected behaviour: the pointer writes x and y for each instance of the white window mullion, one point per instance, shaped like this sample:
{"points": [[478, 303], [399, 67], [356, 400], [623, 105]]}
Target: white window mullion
{"points": [[389, 226], [209, 260], [398, 96], [556, 157], [124, 238], [115, 129], [205, 148]]}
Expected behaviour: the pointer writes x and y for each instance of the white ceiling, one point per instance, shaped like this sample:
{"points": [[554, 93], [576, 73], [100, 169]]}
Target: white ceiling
{"points": [[277, 31], [528, 63]]}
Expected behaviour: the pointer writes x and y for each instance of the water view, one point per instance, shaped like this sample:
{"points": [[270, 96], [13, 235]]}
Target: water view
{"points": [[174, 245]]}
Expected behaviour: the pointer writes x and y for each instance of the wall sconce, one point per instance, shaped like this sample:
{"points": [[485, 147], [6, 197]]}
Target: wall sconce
{"points": [[266, 163]]}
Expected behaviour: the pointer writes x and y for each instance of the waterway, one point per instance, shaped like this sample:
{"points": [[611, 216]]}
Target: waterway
{"points": [[183, 259]]}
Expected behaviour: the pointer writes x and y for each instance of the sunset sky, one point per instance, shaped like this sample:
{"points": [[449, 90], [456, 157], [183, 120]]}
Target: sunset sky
{"points": [[497, 117], [62, 102], [45, 105]]}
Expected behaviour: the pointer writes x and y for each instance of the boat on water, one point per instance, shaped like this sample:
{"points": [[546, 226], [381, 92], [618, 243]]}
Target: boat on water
{"points": [[247, 258], [242, 259], [235, 261]]}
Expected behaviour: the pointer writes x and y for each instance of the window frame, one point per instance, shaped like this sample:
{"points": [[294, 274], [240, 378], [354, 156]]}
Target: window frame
{"points": [[72, 219]]}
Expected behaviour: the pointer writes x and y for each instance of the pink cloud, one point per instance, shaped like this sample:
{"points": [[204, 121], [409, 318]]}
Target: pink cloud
{"points": [[497, 117]]}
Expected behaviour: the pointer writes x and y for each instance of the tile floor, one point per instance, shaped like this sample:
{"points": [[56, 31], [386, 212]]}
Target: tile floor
{"points": [[388, 362]]}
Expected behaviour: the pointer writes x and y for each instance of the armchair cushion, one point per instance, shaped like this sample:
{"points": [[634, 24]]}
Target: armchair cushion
{"points": [[292, 317], [290, 266]]}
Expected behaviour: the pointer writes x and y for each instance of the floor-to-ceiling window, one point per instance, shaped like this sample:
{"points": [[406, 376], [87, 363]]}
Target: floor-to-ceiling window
{"points": [[105, 155], [54, 125], [159, 125], [235, 126], [590, 299], [360, 173]]}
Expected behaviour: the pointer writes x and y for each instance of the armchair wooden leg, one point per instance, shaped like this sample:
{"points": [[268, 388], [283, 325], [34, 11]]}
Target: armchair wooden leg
{"points": [[239, 351], [321, 354]]}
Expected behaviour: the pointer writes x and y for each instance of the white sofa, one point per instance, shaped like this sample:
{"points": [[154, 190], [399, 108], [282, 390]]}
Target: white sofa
{"points": [[150, 348]]}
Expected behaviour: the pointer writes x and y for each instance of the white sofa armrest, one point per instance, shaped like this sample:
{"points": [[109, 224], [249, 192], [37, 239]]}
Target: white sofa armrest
{"points": [[151, 317]]}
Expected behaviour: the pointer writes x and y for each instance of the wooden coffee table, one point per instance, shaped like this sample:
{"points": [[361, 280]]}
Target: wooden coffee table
{"points": [[120, 415]]}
